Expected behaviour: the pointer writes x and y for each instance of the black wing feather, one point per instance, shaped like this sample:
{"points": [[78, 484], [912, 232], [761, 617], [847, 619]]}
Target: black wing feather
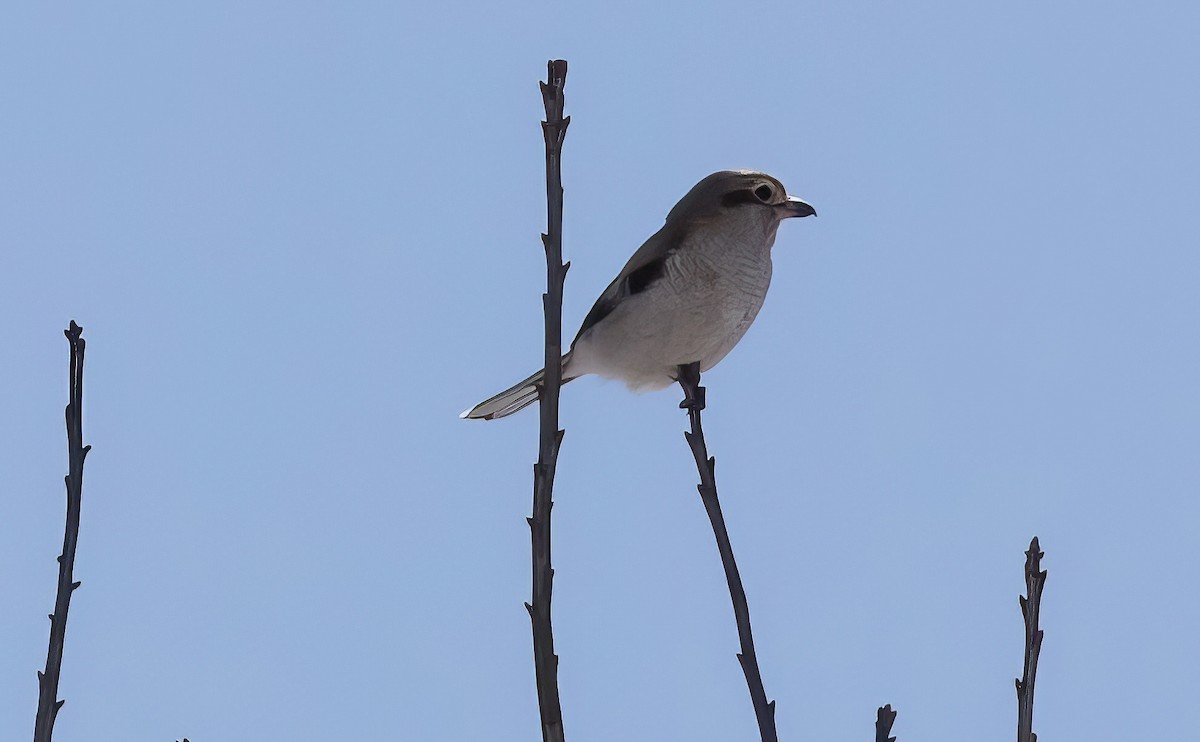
{"points": [[635, 283], [639, 280]]}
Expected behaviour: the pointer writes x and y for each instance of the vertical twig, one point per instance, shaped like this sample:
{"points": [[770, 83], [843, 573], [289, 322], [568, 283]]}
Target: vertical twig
{"points": [[884, 718], [1035, 580], [545, 660], [693, 402], [48, 706]]}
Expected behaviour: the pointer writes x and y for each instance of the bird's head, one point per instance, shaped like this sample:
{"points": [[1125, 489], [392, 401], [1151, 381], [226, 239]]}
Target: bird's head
{"points": [[741, 195]]}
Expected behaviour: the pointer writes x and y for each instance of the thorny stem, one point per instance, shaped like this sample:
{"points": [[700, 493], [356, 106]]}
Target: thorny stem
{"points": [[1035, 580], [545, 660], [48, 706], [884, 718], [693, 402]]}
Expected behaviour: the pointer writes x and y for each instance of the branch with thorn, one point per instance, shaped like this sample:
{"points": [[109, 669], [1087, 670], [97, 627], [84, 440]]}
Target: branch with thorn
{"points": [[48, 705], [1035, 580], [545, 661], [693, 402], [884, 718]]}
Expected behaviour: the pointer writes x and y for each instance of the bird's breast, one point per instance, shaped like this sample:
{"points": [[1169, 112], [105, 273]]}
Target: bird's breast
{"points": [[723, 274], [705, 301]]}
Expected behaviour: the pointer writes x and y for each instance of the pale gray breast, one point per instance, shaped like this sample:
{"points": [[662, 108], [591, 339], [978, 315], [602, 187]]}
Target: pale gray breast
{"points": [[726, 281], [732, 271]]}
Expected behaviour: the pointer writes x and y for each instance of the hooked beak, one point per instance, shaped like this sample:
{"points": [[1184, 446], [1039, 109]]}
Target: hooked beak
{"points": [[795, 207]]}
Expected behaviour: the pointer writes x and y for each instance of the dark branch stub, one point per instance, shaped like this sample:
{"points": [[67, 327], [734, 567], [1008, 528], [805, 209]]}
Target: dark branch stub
{"points": [[550, 436], [1035, 580], [884, 718], [694, 401], [48, 706]]}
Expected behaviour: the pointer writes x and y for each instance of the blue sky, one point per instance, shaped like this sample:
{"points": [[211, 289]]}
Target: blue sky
{"points": [[302, 237]]}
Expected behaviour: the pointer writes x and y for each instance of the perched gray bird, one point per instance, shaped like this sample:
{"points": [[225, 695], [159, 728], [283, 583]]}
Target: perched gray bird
{"points": [[688, 294]]}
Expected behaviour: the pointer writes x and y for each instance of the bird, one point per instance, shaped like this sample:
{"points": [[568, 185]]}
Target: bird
{"points": [[687, 295]]}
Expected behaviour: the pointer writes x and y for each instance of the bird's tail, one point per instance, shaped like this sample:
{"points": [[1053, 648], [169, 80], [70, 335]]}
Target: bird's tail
{"points": [[516, 397]]}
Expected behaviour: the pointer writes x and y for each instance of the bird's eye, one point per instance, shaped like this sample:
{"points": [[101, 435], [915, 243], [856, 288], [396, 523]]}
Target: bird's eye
{"points": [[764, 193]]}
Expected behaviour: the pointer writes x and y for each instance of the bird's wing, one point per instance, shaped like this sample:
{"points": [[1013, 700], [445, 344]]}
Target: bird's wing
{"points": [[648, 264]]}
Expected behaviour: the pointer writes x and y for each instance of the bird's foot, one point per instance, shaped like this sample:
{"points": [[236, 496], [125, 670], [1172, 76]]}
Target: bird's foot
{"points": [[688, 376]]}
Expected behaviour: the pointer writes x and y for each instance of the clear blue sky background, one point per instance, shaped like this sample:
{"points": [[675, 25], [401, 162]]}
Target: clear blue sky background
{"points": [[302, 237]]}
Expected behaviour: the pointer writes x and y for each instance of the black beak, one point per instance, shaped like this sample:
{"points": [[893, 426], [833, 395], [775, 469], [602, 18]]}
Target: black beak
{"points": [[795, 207]]}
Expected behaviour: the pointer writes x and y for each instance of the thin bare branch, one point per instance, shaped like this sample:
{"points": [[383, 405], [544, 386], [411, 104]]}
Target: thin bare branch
{"points": [[693, 402], [1035, 580], [48, 705], [884, 718], [550, 439]]}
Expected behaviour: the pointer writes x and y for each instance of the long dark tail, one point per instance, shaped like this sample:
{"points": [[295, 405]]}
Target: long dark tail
{"points": [[516, 397]]}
